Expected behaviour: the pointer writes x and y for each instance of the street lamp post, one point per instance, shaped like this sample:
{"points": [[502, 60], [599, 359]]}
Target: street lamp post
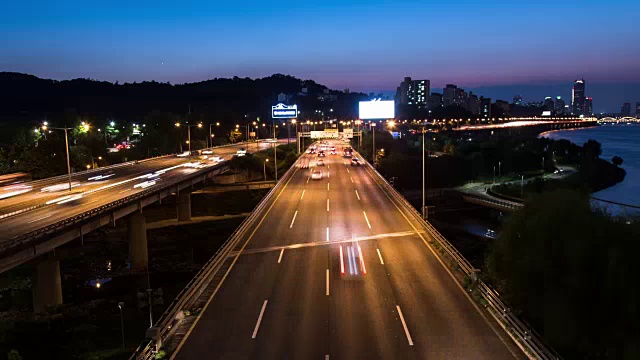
{"points": [[423, 176], [265, 168], [189, 135], [211, 135], [297, 140], [66, 142], [373, 131], [275, 153], [120, 306]]}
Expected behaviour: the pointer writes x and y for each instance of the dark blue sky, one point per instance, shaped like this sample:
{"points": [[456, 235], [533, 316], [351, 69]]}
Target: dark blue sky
{"points": [[362, 45]]}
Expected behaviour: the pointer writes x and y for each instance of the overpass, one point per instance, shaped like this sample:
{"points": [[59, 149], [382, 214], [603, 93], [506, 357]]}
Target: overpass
{"points": [[47, 215], [340, 267]]}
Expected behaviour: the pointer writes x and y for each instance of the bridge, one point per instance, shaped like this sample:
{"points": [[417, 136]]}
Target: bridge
{"points": [[338, 266], [44, 215], [618, 120]]}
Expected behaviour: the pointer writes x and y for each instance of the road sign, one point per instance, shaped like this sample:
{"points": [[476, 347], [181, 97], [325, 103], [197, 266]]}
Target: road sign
{"points": [[282, 111], [347, 133]]}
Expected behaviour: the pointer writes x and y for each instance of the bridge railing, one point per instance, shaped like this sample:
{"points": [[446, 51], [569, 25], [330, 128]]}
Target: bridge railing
{"points": [[525, 337], [175, 312], [503, 203]]}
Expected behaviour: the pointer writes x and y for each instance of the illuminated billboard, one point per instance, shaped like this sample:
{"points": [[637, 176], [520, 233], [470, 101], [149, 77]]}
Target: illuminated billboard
{"points": [[282, 111], [377, 109]]}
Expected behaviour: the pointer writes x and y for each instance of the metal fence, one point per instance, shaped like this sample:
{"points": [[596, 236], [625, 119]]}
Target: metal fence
{"points": [[174, 314], [525, 337]]}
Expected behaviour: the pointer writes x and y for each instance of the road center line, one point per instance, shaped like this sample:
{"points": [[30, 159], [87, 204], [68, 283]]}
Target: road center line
{"points": [[327, 233], [280, 257], [327, 204], [366, 218], [404, 325], [308, 179], [40, 218], [327, 282], [328, 174], [294, 219], [301, 196], [348, 170], [379, 255], [357, 195], [351, 179], [327, 186], [264, 306]]}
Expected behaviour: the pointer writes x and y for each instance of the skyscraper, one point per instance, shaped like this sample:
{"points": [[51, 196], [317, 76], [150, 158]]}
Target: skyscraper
{"points": [[578, 98], [638, 109], [548, 103], [559, 106], [485, 107], [449, 95], [413, 92], [588, 106], [626, 109]]}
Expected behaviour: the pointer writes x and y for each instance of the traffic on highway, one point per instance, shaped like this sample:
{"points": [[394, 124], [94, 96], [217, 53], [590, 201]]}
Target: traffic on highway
{"points": [[29, 205], [334, 269]]}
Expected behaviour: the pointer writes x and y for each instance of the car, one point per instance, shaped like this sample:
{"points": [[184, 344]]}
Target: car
{"points": [[333, 152], [355, 162], [352, 264], [316, 175], [241, 152], [207, 152], [319, 163], [308, 151], [321, 154], [216, 159], [313, 151], [272, 140]]}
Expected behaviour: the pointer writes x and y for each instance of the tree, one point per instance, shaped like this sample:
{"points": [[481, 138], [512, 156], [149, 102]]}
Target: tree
{"points": [[616, 160], [566, 268]]}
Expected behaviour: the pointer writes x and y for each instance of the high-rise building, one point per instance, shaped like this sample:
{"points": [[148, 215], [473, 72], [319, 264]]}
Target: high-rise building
{"points": [[413, 92], [434, 101], [559, 106], [638, 109], [578, 98], [588, 106], [517, 100], [625, 110], [548, 103], [473, 105], [485, 107], [503, 106], [449, 95]]}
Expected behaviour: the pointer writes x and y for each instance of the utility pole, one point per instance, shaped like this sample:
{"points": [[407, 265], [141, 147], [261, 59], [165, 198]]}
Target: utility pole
{"points": [[373, 131], [423, 176]]}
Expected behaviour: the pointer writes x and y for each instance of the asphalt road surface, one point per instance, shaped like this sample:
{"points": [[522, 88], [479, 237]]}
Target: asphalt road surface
{"points": [[48, 200], [336, 271]]}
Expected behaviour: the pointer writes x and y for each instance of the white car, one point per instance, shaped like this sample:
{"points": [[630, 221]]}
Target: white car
{"points": [[319, 163], [316, 175], [241, 152], [216, 159]]}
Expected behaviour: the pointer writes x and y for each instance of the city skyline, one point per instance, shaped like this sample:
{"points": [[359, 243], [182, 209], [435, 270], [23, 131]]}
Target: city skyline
{"points": [[364, 46]]}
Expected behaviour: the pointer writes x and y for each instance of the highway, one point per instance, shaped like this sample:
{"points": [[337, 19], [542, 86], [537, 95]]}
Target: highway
{"points": [[334, 270], [49, 200]]}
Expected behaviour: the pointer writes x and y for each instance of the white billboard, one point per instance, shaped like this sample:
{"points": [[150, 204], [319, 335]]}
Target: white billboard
{"points": [[377, 109]]}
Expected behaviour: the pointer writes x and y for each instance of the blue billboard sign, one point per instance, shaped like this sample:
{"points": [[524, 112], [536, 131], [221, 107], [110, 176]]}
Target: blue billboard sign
{"points": [[282, 111]]}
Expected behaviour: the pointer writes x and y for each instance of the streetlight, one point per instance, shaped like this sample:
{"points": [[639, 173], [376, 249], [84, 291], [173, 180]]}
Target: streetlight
{"points": [[189, 135], [265, 169], [293, 121], [373, 131], [120, 306], [211, 134], [66, 142]]}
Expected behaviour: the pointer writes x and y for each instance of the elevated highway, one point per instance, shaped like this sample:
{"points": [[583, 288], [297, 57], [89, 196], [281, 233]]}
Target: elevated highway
{"points": [[336, 268]]}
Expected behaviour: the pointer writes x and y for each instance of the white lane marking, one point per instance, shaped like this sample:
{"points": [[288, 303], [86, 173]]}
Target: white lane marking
{"points": [[341, 261], [327, 204], [404, 325], [280, 257], [294, 219], [379, 255], [40, 218], [348, 169], [366, 218], [328, 174], [357, 195], [327, 234], [351, 179], [255, 330], [302, 194], [308, 179], [327, 282], [327, 186]]}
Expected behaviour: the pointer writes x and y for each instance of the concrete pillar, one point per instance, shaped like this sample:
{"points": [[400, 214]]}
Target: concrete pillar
{"points": [[138, 252], [46, 284], [183, 203]]}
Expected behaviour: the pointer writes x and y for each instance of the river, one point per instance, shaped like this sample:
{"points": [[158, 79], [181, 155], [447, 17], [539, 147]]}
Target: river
{"points": [[622, 140]]}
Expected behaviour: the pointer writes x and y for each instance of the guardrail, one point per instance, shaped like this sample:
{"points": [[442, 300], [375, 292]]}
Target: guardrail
{"points": [[99, 210], [174, 314], [526, 338]]}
